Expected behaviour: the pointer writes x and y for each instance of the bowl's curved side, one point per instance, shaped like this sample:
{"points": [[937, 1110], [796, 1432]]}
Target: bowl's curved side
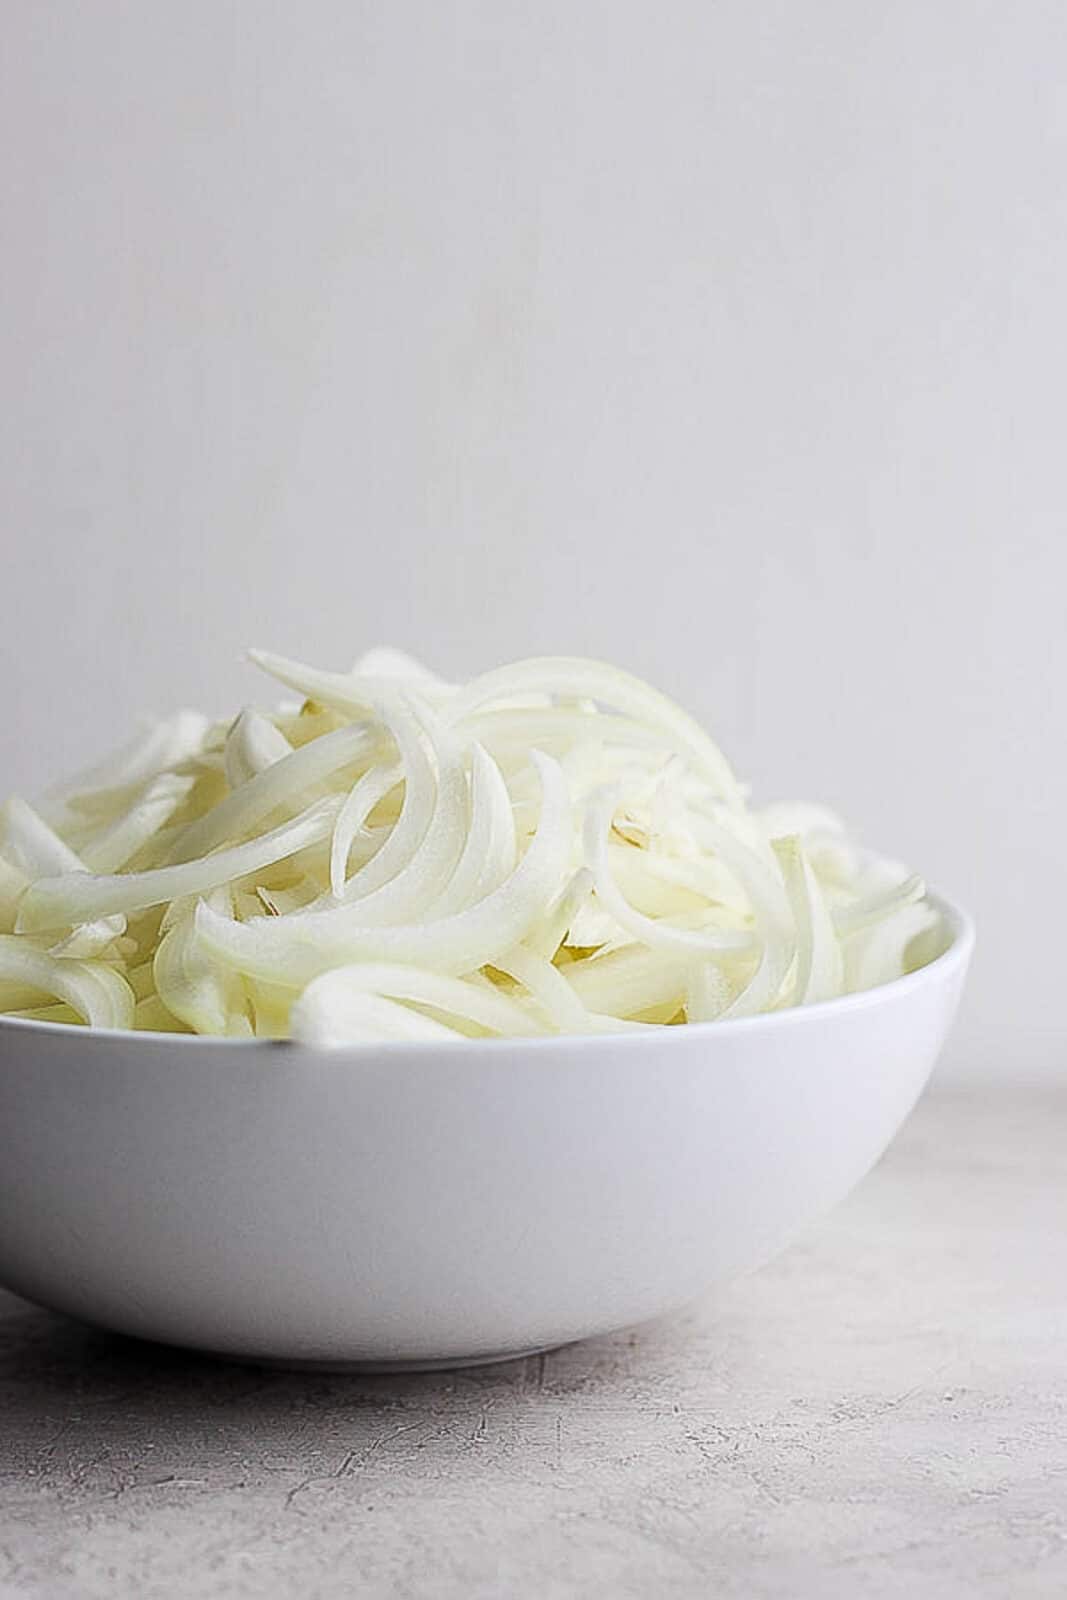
{"points": [[405, 1204]]}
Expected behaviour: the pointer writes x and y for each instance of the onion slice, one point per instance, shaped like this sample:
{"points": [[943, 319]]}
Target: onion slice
{"points": [[323, 1007], [300, 947], [81, 896], [93, 989], [552, 847]]}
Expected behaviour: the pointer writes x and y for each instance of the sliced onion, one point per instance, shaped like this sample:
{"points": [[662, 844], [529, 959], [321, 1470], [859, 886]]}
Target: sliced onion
{"points": [[365, 794], [206, 997], [355, 1017], [594, 680], [310, 943], [630, 981], [554, 995], [424, 876], [546, 938], [552, 846], [421, 852], [709, 994], [819, 965], [107, 786], [35, 847], [872, 908], [396, 666], [29, 843], [93, 989], [489, 852], [252, 745], [81, 896], [658, 934], [13, 885], [284, 785], [118, 843], [324, 1003], [880, 952]]}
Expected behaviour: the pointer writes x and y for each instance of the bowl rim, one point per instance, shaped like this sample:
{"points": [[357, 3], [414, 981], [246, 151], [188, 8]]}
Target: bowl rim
{"points": [[954, 958]]}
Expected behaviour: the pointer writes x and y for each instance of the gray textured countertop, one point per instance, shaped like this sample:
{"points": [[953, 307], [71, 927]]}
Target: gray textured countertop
{"points": [[882, 1411]]}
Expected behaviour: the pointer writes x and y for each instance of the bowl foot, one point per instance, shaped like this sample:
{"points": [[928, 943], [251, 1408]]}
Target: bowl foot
{"points": [[370, 1367]]}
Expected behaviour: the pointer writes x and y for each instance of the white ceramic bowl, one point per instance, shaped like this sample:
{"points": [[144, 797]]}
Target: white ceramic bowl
{"points": [[439, 1204]]}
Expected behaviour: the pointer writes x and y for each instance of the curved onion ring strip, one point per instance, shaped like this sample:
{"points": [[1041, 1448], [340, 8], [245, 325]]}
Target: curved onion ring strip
{"points": [[489, 852], [356, 1017], [79, 896], [252, 745], [285, 784], [321, 1007], [314, 941], [819, 968], [91, 988], [361, 800], [658, 935]]}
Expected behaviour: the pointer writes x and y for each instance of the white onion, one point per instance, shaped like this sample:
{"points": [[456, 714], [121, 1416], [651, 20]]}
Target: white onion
{"points": [[79, 896], [253, 744], [99, 994], [553, 847], [300, 947]]}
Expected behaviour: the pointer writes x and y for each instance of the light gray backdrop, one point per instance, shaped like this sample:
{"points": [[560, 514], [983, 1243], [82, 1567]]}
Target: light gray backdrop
{"points": [[726, 340]]}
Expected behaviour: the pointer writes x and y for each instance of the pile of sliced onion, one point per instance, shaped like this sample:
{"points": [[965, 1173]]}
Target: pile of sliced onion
{"points": [[553, 847]]}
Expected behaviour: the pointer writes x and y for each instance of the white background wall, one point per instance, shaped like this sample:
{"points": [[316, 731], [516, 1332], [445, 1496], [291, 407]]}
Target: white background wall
{"points": [[727, 340]]}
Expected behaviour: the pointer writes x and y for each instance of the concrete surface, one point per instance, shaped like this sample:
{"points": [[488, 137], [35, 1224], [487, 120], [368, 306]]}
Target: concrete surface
{"points": [[881, 1412]]}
